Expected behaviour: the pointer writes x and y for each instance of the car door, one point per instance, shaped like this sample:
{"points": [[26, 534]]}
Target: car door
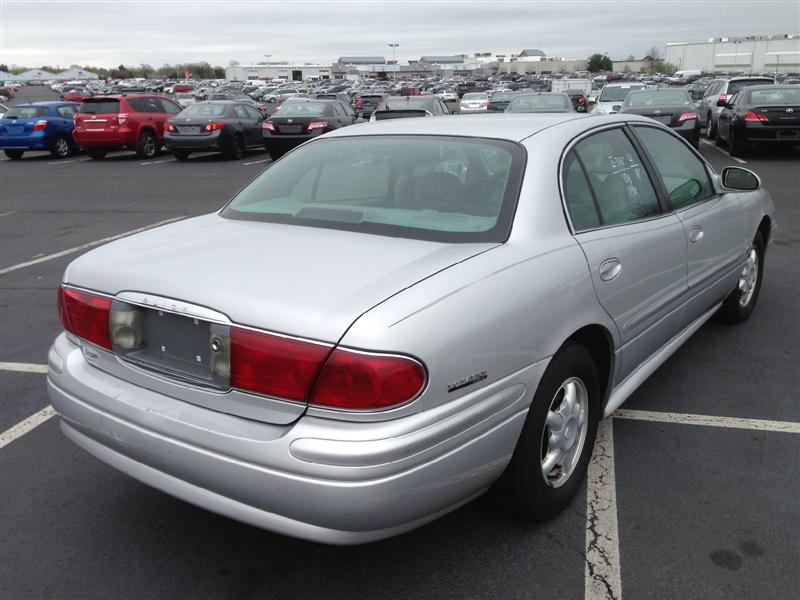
{"points": [[635, 251], [254, 122], [714, 221], [709, 102], [726, 116], [242, 123]]}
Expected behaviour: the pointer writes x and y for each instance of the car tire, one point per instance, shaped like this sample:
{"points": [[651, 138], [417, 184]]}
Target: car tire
{"points": [[711, 129], [742, 300], [147, 146], [236, 150], [180, 154], [14, 154], [60, 148], [524, 489], [273, 154], [735, 146]]}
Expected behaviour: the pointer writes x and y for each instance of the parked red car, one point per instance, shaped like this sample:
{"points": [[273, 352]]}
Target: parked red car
{"points": [[182, 87], [74, 96], [123, 122]]}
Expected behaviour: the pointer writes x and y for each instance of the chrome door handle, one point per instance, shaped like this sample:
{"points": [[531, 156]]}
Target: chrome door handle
{"points": [[609, 269], [696, 234]]}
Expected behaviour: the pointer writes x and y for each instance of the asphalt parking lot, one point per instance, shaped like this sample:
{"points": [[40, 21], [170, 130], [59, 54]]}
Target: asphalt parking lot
{"points": [[693, 492]]}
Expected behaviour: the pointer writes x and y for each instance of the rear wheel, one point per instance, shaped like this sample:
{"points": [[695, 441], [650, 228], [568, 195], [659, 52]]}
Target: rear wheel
{"points": [[742, 300], [554, 448], [711, 129], [180, 154], [236, 150], [14, 154], [147, 147], [96, 153], [60, 148]]}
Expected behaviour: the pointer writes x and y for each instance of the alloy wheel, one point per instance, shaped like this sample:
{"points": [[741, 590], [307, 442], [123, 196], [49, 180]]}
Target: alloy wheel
{"points": [[565, 432]]}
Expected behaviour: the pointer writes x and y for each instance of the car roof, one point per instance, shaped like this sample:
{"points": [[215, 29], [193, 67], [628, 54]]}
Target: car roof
{"points": [[514, 127], [48, 104]]}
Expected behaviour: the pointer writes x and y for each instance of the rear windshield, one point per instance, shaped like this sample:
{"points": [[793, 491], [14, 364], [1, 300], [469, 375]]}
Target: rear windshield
{"points": [[543, 102], [25, 112], [299, 109], [506, 97], [735, 86], [423, 187], [617, 93], [777, 96], [204, 110], [99, 106], [475, 97], [407, 103], [657, 98]]}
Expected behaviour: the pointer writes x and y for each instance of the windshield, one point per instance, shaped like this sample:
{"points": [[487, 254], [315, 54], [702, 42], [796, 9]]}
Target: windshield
{"points": [[407, 103], [774, 96], [299, 109], [538, 102], [422, 187], [617, 93], [99, 106], [204, 110], [658, 98], [25, 112]]}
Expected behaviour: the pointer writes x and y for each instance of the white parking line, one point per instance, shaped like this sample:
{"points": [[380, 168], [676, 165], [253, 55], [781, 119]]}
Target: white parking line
{"points": [[26, 425], [721, 151], [708, 421], [62, 162], [602, 571], [85, 246], [23, 367], [10, 212], [158, 162], [255, 162]]}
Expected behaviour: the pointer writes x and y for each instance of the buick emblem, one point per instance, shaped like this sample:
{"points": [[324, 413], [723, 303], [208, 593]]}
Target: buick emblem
{"points": [[789, 110], [656, 112]]}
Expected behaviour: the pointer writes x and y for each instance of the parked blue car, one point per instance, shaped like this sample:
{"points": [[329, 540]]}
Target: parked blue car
{"points": [[39, 126]]}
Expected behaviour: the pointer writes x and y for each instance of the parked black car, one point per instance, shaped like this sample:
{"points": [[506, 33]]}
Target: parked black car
{"points": [[762, 114], [499, 101], [539, 102], [395, 107], [671, 107], [371, 101], [223, 125], [297, 121]]}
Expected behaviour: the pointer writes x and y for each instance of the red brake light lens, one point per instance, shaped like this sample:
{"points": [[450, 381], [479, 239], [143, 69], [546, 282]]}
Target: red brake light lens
{"points": [[213, 126], [40, 124], [752, 117], [169, 126], [687, 116], [85, 315], [317, 125], [723, 97], [273, 365], [364, 381], [269, 125]]}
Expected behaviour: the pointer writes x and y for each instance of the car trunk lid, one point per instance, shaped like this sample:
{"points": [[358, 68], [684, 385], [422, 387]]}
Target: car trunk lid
{"points": [[778, 116]]}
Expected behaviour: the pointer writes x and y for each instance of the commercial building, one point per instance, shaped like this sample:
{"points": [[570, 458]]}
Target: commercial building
{"points": [[75, 72], [630, 66], [750, 54], [278, 70]]}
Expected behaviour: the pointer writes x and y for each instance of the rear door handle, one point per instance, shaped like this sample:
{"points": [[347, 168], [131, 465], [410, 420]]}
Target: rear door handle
{"points": [[610, 269], [696, 234]]}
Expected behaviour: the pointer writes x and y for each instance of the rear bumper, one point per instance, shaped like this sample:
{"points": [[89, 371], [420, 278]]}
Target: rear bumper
{"points": [[104, 139], [214, 141], [286, 142], [771, 134], [689, 131], [318, 479], [33, 141]]}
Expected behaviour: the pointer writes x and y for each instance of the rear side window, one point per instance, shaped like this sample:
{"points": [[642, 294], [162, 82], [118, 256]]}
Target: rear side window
{"points": [[146, 105], [580, 202], [735, 86], [25, 112], [67, 111], [617, 177], [99, 106]]}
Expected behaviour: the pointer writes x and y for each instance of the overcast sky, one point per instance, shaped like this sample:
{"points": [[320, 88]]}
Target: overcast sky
{"points": [[109, 32]]}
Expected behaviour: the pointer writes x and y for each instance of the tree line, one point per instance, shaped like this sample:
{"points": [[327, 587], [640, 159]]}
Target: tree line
{"points": [[197, 70]]}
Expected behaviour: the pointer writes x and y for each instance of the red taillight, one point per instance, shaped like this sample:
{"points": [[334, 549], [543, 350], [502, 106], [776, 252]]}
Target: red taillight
{"points": [[752, 117], [364, 381], [169, 126], [723, 97], [488, 105], [40, 124], [213, 126], [581, 99], [358, 103], [85, 315], [268, 125], [273, 365], [122, 118], [687, 116], [317, 125]]}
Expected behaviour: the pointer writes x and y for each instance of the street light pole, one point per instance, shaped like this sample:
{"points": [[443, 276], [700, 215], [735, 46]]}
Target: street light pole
{"points": [[394, 61]]}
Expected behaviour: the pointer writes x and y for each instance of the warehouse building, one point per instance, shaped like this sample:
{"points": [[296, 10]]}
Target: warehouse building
{"points": [[750, 54], [278, 70]]}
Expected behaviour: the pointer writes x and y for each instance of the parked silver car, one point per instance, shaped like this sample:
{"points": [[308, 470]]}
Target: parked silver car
{"points": [[722, 89], [398, 316]]}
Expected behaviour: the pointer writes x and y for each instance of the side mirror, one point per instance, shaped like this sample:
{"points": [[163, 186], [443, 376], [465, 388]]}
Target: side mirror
{"points": [[722, 104], [737, 178]]}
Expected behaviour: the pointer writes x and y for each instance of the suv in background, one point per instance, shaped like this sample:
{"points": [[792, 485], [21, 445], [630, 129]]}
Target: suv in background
{"points": [[123, 122], [722, 89]]}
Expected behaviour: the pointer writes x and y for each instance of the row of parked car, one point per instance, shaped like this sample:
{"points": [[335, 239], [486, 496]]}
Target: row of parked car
{"points": [[736, 111]]}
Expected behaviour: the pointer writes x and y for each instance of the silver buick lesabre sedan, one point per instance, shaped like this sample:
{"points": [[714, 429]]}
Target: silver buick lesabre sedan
{"points": [[396, 317]]}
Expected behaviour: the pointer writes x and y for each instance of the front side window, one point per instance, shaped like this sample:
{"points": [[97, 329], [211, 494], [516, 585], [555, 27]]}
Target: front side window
{"points": [[423, 187], [683, 174], [617, 177]]}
